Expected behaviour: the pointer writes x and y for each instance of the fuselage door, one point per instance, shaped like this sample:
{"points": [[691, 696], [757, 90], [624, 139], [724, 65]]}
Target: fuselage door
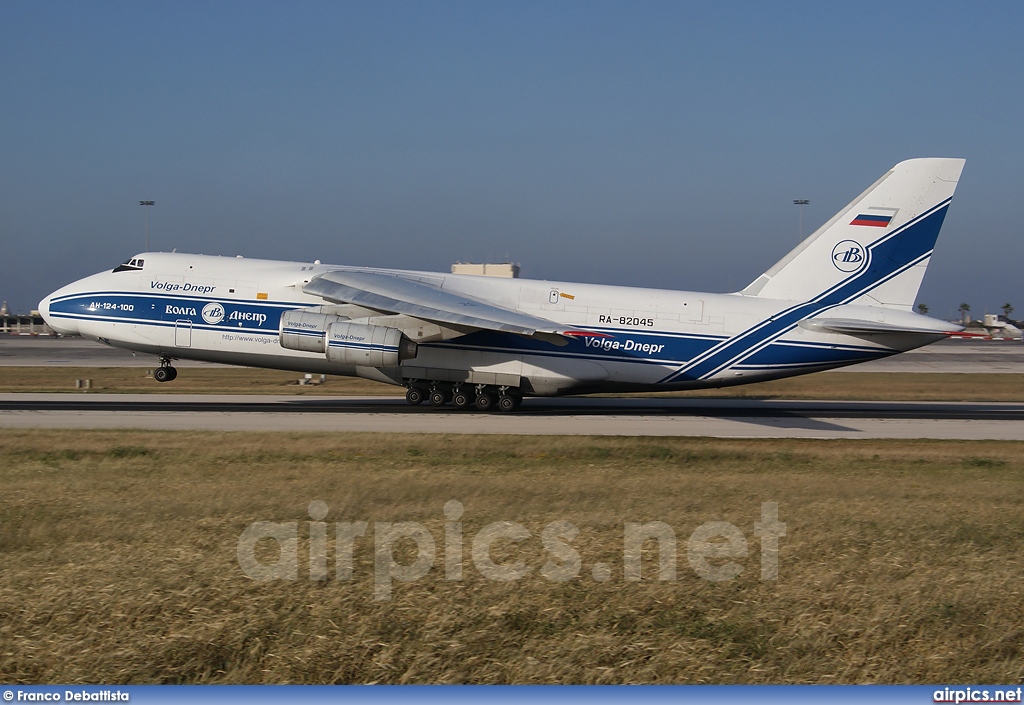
{"points": [[695, 310], [182, 334]]}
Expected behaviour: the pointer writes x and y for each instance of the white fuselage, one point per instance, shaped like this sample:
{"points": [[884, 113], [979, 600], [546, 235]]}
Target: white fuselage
{"points": [[228, 310]]}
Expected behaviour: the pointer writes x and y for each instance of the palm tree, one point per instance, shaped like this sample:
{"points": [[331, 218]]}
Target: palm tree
{"points": [[965, 308], [922, 309], [1007, 310]]}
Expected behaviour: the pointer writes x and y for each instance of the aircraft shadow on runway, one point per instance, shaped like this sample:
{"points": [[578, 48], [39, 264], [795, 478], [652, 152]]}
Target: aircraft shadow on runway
{"points": [[810, 415]]}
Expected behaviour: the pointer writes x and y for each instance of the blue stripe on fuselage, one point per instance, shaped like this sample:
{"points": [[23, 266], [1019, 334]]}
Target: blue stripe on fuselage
{"points": [[163, 310], [624, 346], [677, 347]]}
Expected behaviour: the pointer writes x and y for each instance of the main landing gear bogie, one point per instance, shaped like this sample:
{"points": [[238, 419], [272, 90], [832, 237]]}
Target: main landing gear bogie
{"points": [[507, 402], [439, 397], [415, 396], [461, 399], [463, 396], [485, 401]]}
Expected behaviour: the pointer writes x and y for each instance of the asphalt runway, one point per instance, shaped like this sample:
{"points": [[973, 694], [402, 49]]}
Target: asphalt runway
{"points": [[726, 418], [956, 356], [723, 418]]}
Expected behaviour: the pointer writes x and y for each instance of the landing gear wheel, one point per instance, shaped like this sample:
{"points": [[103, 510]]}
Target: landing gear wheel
{"points": [[164, 374], [485, 401], [415, 396], [508, 402], [461, 399], [438, 397]]}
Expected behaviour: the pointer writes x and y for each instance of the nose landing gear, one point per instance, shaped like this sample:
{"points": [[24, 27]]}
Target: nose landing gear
{"points": [[165, 373]]}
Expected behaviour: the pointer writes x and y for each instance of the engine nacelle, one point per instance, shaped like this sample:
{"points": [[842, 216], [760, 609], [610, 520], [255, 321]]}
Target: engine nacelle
{"points": [[367, 346], [305, 331], [345, 342]]}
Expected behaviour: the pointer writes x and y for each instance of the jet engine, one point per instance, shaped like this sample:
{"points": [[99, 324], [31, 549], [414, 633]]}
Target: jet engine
{"points": [[344, 341]]}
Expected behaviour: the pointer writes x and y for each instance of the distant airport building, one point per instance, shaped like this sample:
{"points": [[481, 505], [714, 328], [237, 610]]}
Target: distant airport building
{"points": [[1001, 327], [32, 324], [505, 270]]}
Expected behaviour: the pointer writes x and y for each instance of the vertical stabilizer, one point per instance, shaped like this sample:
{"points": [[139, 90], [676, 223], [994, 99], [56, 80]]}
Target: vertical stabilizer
{"points": [[879, 245]]}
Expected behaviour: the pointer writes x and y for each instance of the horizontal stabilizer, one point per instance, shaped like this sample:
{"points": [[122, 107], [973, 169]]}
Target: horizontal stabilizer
{"points": [[858, 327]]}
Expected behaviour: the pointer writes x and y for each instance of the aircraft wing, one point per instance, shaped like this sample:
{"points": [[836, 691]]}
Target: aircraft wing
{"points": [[387, 293]]}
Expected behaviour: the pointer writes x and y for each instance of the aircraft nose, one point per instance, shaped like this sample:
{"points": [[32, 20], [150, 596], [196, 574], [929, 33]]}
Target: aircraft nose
{"points": [[64, 326], [44, 310]]}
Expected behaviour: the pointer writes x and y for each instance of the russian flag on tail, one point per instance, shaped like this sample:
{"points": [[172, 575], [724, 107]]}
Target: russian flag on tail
{"points": [[872, 220]]}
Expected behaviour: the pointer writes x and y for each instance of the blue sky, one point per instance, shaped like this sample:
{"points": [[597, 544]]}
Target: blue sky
{"points": [[638, 143]]}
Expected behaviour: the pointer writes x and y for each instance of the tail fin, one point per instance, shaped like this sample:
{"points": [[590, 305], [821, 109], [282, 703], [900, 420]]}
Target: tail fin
{"points": [[878, 246]]}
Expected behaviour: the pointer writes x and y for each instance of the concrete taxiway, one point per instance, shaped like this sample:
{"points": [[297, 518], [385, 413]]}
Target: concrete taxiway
{"points": [[723, 418]]}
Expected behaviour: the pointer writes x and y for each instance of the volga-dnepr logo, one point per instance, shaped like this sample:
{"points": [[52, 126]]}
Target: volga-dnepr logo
{"points": [[213, 313], [849, 256]]}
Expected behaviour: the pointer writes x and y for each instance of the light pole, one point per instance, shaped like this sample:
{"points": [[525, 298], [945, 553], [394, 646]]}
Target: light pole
{"points": [[147, 203], [801, 202]]}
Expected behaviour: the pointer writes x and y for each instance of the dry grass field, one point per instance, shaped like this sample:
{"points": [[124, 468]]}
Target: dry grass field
{"points": [[826, 385], [901, 562]]}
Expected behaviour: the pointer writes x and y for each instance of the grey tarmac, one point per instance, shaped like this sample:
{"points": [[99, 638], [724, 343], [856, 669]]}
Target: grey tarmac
{"points": [[722, 418]]}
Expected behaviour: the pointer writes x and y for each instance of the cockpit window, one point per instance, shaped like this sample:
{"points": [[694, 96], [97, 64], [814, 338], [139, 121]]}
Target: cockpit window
{"points": [[132, 265]]}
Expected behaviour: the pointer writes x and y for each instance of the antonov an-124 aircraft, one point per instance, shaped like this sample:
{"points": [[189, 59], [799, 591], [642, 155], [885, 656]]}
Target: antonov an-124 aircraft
{"points": [[844, 295]]}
